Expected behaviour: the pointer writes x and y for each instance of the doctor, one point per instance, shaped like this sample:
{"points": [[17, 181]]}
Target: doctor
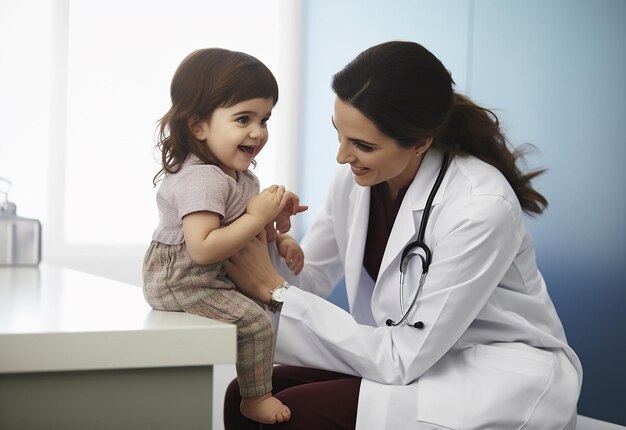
{"points": [[481, 346]]}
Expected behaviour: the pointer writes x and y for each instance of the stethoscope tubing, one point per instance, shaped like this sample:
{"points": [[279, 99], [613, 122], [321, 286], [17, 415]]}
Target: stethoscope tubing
{"points": [[419, 243]]}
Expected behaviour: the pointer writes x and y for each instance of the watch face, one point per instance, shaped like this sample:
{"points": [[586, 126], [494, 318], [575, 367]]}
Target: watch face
{"points": [[279, 294]]}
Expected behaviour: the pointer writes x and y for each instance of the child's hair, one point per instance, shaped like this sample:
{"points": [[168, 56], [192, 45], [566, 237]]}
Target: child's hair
{"points": [[207, 79]]}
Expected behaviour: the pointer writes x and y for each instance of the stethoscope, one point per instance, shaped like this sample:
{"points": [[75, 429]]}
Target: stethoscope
{"points": [[419, 248]]}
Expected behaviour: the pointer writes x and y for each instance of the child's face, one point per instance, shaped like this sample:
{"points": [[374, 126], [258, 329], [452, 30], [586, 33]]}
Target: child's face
{"points": [[236, 134]]}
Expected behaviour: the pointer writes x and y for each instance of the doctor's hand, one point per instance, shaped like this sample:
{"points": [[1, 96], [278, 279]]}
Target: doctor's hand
{"points": [[252, 271], [292, 207]]}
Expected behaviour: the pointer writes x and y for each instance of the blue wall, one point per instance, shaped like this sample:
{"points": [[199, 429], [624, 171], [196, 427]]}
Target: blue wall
{"points": [[554, 72]]}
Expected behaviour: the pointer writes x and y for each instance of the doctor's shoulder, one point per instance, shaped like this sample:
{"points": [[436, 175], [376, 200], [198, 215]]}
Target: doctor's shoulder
{"points": [[483, 180], [479, 191]]}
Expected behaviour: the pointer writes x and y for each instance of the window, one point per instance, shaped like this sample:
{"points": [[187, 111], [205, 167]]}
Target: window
{"points": [[94, 82]]}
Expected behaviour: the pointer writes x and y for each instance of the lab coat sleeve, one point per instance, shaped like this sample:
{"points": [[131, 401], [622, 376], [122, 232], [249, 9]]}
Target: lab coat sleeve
{"points": [[473, 252]]}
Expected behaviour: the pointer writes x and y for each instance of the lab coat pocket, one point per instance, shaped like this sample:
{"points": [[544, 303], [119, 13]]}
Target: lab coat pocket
{"points": [[485, 386]]}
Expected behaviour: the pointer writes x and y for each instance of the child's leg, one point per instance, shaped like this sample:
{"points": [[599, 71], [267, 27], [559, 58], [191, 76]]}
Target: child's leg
{"points": [[255, 351], [255, 357]]}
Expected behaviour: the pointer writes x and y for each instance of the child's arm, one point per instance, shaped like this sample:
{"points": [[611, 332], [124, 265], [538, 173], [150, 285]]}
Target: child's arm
{"points": [[208, 243], [291, 252]]}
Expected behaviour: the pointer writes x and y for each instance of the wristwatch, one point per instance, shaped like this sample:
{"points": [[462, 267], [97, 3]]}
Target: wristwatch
{"points": [[277, 297]]}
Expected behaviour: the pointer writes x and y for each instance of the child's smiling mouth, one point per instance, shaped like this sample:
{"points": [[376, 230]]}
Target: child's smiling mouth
{"points": [[247, 150]]}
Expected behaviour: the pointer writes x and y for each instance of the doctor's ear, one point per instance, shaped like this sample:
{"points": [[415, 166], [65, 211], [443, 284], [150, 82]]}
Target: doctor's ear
{"points": [[197, 127], [422, 146]]}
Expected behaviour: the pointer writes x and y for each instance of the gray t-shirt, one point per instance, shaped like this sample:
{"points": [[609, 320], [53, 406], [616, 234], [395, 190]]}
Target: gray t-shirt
{"points": [[200, 187]]}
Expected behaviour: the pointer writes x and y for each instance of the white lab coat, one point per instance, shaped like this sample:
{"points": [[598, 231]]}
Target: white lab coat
{"points": [[492, 353]]}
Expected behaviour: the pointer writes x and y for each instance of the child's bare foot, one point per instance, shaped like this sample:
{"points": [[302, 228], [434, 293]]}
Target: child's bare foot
{"points": [[265, 409]]}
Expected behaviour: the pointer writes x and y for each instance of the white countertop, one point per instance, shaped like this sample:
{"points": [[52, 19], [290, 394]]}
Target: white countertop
{"points": [[56, 319]]}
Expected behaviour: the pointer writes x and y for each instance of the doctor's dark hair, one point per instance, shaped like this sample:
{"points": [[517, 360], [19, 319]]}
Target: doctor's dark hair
{"points": [[408, 94], [207, 79]]}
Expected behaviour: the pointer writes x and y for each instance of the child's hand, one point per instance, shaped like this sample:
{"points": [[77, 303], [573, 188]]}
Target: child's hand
{"points": [[291, 252], [292, 207], [267, 204]]}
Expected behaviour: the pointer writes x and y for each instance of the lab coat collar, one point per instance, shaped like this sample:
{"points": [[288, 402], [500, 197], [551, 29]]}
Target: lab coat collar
{"points": [[425, 179], [360, 206], [405, 228]]}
